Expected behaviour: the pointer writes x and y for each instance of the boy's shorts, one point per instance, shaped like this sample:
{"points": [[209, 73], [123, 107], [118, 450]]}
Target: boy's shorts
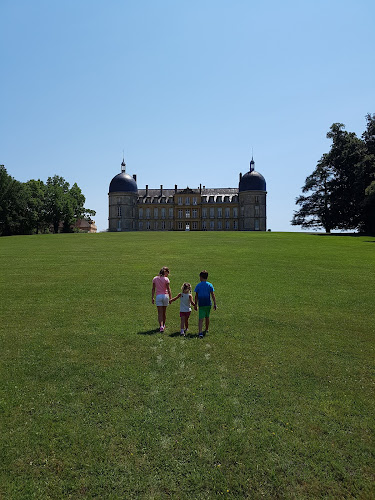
{"points": [[204, 312], [162, 300]]}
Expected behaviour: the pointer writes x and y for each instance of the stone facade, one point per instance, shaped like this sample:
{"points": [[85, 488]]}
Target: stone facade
{"points": [[201, 209]]}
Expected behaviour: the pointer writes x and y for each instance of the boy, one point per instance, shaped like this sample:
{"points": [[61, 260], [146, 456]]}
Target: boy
{"points": [[203, 293]]}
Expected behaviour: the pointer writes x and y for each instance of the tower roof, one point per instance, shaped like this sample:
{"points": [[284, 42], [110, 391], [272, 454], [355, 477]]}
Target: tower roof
{"points": [[123, 182], [252, 180]]}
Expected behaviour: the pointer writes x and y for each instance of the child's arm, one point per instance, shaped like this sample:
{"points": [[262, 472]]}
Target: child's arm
{"points": [[153, 293], [196, 301], [191, 300], [214, 299], [175, 298]]}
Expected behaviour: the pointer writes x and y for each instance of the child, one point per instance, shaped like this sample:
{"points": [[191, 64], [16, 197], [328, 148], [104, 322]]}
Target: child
{"points": [[186, 299], [163, 291], [203, 293]]}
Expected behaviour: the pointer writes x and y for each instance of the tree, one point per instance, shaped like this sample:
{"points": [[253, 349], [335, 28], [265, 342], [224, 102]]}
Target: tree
{"points": [[64, 205], [340, 191], [35, 192], [12, 204], [315, 208]]}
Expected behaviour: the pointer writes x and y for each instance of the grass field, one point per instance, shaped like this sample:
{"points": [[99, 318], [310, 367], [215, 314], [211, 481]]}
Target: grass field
{"points": [[276, 402]]}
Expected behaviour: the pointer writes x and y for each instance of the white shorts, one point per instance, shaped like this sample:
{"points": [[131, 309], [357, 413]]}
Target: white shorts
{"points": [[162, 300]]}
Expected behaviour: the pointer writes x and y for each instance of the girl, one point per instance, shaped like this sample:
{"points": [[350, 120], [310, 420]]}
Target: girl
{"points": [[186, 299], [160, 284]]}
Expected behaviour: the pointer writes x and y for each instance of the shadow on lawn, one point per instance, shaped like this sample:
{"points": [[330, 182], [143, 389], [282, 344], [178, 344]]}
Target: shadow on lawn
{"points": [[149, 332], [172, 335]]}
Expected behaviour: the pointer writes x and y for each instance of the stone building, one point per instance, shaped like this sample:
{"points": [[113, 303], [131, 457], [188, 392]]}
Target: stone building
{"points": [[202, 209]]}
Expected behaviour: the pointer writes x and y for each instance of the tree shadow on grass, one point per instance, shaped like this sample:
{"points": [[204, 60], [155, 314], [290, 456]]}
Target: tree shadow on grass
{"points": [[149, 332]]}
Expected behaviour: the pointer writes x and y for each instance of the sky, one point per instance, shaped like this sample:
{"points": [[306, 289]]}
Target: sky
{"points": [[186, 91]]}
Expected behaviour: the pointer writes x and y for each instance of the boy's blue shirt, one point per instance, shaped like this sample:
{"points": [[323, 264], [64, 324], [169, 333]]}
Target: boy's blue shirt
{"points": [[204, 289]]}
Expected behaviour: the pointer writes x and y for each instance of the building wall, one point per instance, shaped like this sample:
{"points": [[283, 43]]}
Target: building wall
{"points": [[188, 210], [122, 212]]}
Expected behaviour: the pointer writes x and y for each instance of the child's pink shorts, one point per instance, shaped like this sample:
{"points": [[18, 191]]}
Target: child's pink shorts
{"points": [[184, 314]]}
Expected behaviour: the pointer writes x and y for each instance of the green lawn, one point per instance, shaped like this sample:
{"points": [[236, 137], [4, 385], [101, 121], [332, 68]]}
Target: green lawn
{"points": [[276, 402]]}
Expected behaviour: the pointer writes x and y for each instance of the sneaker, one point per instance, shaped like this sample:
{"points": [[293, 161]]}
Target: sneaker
{"points": [[201, 335], [162, 328], [182, 333], [186, 330]]}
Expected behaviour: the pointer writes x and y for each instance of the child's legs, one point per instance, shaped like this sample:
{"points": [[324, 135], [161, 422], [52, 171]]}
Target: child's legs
{"points": [[207, 322], [182, 322], [186, 322], [164, 314], [160, 315]]}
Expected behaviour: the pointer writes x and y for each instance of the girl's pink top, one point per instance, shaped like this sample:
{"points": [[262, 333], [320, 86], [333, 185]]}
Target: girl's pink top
{"points": [[161, 283]]}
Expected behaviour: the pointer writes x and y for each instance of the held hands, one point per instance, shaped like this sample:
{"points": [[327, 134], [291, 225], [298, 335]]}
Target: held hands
{"points": [[153, 300]]}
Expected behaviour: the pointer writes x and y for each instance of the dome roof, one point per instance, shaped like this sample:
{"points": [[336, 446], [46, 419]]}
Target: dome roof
{"points": [[123, 183], [252, 181]]}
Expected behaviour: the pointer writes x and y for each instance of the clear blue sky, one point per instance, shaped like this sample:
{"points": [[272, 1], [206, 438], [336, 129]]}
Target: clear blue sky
{"points": [[185, 88]]}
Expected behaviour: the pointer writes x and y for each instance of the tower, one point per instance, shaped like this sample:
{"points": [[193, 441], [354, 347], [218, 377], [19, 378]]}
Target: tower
{"points": [[122, 197], [252, 200]]}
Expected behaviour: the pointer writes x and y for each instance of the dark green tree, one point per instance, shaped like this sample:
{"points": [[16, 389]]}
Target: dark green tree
{"points": [[315, 208], [339, 193], [35, 216], [12, 204]]}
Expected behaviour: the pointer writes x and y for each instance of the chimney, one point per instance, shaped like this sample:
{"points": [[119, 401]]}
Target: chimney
{"points": [[161, 189], [135, 177], [146, 189], [175, 188], [200, 188]]}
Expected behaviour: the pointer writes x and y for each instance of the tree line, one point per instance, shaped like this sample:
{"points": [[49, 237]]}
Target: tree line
{"points": [[340, 192], [36, 207]]}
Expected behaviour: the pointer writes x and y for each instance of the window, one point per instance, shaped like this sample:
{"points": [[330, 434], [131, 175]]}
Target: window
{"points": [[195, 200], [212, 225], [218, 199], [156, 225], [170, 213], [180, 214], [187, 214], [194, 225], [163, 213], [119, 212], [163, 224], [148, 225], [179, 200], [156, 213], [234, 224], [256, 224], [227, 224], [212, 212], [204, 225], [211, 199], [147, 213], [118, 225], [187, 200], [170, 224], [256, 210], [227, 212], [204, 199], [235, 212], [219, 212], [204, 212], [219, 224], [140, 213], [140, 225], [195, 213], [180, 225], [187, 227], [256, 199]]}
